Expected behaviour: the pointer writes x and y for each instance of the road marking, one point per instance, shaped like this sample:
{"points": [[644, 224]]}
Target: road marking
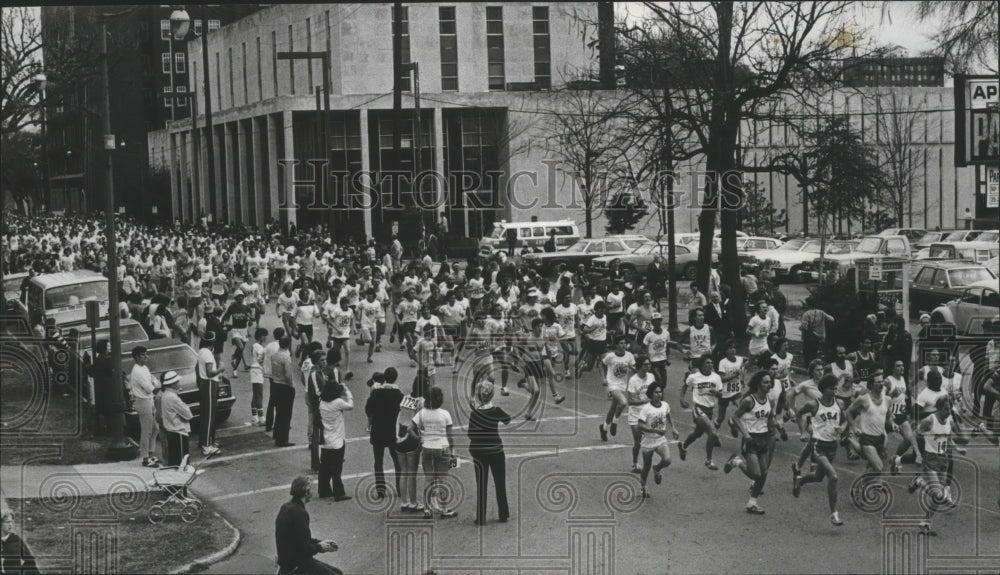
{"points": [[225, 458], [555, 451]]}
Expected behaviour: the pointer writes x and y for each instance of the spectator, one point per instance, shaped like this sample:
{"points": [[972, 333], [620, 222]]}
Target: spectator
{"points": [[434, 425], [656, 279], [334, 401], [143, 387], [382, 409], [269, 350], [550, 244], [176, 419], [813, 332], [897, 346], [486, 449], [293, 537], [717, 316], [15, 557], [511, 237], [282, 391], [207, 374]]}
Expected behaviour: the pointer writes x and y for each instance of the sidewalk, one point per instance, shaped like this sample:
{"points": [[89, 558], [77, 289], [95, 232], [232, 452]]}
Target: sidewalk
{"points": [[60, 481]]}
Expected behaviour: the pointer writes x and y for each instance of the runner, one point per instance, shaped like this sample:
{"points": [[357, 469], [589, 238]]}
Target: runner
{"points": [[637, 398], [706, 388], [731, 369], [652, 421], [827, 425], [239, 314], [593, 340], [810, 389], [372, 314], [869, 417], [939, 430], [617, 368], [754, 419], [657, 344], [340, 324]]}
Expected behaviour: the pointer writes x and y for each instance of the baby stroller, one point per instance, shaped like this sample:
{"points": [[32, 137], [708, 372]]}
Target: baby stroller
{"points": [[175, 482]]}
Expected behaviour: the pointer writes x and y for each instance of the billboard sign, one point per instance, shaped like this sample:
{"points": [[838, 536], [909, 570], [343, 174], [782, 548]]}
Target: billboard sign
{"points": [[977, 120]]}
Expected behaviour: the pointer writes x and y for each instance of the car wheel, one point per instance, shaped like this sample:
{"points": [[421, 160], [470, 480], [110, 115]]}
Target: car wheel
{"points": [[691, 271]]}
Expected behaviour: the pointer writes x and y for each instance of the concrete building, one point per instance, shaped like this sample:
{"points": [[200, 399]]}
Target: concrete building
{"points": [[145, 68], [484, 72]]}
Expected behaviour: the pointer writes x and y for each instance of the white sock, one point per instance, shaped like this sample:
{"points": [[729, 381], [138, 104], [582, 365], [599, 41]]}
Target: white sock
{"points": [[752, 502]]}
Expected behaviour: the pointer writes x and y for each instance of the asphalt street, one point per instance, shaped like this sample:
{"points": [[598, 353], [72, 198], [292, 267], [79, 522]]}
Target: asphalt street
{"points": [[570, 492]]}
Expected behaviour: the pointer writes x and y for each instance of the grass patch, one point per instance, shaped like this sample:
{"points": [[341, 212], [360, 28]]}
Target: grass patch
{"points": [[134, 545]]}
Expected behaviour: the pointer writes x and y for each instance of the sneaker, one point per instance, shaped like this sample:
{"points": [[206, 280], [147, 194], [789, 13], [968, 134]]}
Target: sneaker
{"points": [[449, 514], [732, 462], [894, 464], [683, 451], [378, 347], [209, 450], [657, 477], [558, 398], [635, 469], [504, 392], [145, 462], [644, 494], [614, 428], [835, 519], [851, 456], [604, 433], [343, 498], [407, 508], [370, 360], [711, 465], [349, 375], [755, 509], [925, 529], [914, 484], [796, 486]]}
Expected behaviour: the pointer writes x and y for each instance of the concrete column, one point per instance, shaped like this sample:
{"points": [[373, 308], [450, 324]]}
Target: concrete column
{"points": [[221, 203], [230, 192], [176, 163], [259, 185], [288, 200], [439, 162], [244, 187], [365, 169], [273, 185]]}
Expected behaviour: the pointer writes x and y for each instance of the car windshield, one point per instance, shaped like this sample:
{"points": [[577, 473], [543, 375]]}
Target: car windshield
{"points": [[12, 285], [578, 247], [632, 244], [76, 294], [870, 245], [931, 237], [841, 248], [792, 245], [967, 276], [991, 237], [497, 232], [181, 359], [956, 236]]}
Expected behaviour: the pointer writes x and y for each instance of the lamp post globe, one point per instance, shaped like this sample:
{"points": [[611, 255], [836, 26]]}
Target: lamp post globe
{"points": [[180, 23]]}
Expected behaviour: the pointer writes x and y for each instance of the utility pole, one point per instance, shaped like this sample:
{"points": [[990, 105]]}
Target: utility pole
{"points": [[417, 137], [397, 94], [208, 113]]}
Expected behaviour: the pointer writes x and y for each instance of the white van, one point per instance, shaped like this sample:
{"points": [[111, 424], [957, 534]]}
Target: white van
{"points": [[63, 296], [529, 234]]}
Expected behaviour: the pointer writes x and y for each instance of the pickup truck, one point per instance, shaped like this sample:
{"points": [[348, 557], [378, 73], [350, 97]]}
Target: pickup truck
{"points": [[870, 247], [62, 296]]}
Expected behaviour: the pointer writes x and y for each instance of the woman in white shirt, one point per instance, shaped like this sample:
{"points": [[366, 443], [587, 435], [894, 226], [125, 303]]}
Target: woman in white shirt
{"points": [[334, 401], [434, 425]]}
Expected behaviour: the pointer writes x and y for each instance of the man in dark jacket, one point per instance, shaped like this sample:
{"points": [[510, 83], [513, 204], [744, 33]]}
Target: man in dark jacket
{"points": [[382, 409], [717, 316], [656, 278], [511, 236], [296, 546], [15, 557]]}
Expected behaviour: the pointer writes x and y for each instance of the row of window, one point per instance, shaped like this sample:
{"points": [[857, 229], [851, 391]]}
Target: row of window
{"points": [[182, 101], [165, 27], [180, 62]]}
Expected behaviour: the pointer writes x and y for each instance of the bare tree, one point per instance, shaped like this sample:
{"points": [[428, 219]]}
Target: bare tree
{"points": [[585, 135], [902, 164], [968, 33]]}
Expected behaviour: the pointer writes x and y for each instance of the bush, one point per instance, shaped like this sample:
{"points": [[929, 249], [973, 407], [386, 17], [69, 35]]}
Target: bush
{"points": [[848, 310]]}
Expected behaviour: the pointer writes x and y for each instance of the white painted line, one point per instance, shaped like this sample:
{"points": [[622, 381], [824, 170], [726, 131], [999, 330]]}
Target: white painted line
{"points": [[225, 458], [556, 451]]}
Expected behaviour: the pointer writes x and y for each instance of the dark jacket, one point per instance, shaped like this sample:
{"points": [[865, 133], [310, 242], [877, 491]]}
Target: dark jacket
{"points": [[16, 557], [656, 276], [292, 535], [383, 409], [720, 323]]}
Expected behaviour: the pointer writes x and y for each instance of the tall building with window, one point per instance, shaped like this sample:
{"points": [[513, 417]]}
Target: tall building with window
{"points": [[148, 83], [488, 72]]}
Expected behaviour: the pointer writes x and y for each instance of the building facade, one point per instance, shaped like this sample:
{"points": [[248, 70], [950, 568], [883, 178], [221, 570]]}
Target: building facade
{"points": [[484, 72], [145, 69]]}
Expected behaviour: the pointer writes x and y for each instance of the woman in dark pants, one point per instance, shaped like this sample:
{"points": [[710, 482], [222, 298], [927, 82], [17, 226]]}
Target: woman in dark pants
{"points": [[487, 450], [334, 401], [382, 409]]}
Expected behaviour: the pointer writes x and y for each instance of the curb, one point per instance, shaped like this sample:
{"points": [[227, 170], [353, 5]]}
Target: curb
{"points": [[216, 557]]}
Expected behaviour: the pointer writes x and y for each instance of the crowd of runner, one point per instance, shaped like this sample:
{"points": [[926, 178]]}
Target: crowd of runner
{"points": [[509, 325]]}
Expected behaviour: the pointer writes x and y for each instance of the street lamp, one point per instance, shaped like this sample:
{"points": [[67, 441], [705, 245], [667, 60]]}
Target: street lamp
{"points": [[180, 27], [46, 179]]}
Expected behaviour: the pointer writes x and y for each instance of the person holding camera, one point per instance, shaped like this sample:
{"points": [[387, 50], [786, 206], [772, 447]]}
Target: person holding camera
{"points": [[486, 449], [437, 456], [296, 546], [334, 401]]}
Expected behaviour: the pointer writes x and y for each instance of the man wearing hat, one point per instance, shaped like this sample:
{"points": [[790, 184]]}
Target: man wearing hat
{"points": [[143, 386], [207, 373], [176, 419]]}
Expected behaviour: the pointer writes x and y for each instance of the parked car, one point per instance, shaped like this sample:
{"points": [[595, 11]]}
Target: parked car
{"points": [[938, 282], [911, 234], [685, 265], [795, 257], [172, 355], [993, 264], [754, 243], [586, 250], [975, 312], [694, 237], [79, 338], [929, 238], [977, 252], [897, 246]]}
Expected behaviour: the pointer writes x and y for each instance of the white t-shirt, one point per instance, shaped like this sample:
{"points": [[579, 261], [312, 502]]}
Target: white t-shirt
{"points": [[206, 358], [340, 322], [656, 418], [601, 325], [636, 390], [759, 329], [371, 313], [703, 386], [304, 314], [726, 367], [656, 345], [618, 369], [566, 316], [433, 424]]}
